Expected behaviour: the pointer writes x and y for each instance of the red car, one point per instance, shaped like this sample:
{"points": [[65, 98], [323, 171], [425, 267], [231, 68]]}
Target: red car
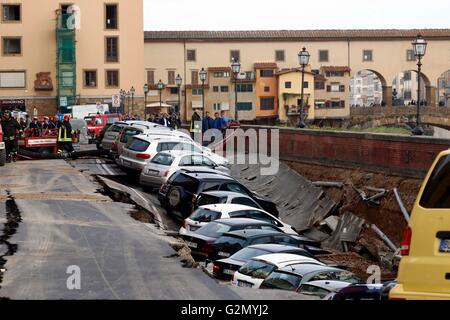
{"points": [[97, 122]]}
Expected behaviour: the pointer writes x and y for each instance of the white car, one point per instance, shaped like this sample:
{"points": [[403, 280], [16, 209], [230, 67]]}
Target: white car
{"points": [[322, 288], [206, 214], [253, 273], [166, 163]]}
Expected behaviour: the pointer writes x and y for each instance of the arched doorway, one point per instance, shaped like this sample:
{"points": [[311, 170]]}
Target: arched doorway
{"points": [[405, 86], [443, 88], [368, 88]]}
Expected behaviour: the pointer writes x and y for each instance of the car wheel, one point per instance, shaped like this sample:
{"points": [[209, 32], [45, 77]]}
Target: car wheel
{"points": [[174, 197]]}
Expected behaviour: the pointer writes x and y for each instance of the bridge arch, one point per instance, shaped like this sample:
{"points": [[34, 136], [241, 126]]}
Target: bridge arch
{"points": [[405, 85], [443, 89], [368, 88]]}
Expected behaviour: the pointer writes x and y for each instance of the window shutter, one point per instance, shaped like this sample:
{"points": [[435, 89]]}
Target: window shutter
{"points": [[328, 88], [171, 77], [194, 77], [342, 104], [150, 77], [342, 88]]}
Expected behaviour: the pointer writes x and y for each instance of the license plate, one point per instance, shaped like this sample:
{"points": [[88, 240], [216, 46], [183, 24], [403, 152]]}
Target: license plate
{"points": [[223, 254], [244, 284], [126, 163], [152, 172], [228, 271], [191, 244], [445, 246], [2, 145]]}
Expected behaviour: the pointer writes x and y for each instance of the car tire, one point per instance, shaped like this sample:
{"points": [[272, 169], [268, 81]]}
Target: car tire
{"points": [[174, 197], [2, 157]]}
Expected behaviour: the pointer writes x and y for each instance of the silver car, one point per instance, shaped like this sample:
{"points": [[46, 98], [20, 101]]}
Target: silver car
{"points": [[166, 163]]}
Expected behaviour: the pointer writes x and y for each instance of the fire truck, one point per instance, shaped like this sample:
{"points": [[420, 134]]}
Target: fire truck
{"points": [[96, 122]]}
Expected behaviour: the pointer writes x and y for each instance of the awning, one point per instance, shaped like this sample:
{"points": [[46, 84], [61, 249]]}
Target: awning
{"points": [[159, 105]]}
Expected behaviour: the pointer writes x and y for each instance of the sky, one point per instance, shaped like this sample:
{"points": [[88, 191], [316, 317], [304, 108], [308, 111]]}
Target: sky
{"points": [[288, 14]]}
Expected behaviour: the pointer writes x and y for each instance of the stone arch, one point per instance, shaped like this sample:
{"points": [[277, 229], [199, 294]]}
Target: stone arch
{"points": [[404, 88], [380, 94], [443, 89]]}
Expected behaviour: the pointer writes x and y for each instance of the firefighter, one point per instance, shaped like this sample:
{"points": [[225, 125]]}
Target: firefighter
{"points": [[196, 121], [65, 134], [11, 131]]}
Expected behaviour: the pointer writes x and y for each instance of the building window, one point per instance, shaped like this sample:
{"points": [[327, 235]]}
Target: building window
{"points": [[11, 13], [12, 46], [335, 74], [194, 77], [150, 77], [216, 89], [235, 55], [266, 73], [267, 103], [112, 78], [288, 85], [335, 87], [191, 55], [90, 78], [112, 49], [306, 85], [224, 89], [112, 17], [221, 74], [266, 89], [323, 55], [173, 90], [244, 106], [12, 79], [410, 55], [407, 76], [280, 56], [171, 77], [407, 95], [319, 85], [368, 55], [197, 91], [244, 87]]}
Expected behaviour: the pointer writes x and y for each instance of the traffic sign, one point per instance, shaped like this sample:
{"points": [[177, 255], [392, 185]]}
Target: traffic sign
{"points": [[116, 101]]}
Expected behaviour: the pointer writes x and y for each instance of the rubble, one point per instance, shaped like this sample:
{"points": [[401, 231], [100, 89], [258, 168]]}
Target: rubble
{"points": [[401, 205]]}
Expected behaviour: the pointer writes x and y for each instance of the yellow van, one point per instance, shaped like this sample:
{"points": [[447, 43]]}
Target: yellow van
{"points": [[424, 272]]}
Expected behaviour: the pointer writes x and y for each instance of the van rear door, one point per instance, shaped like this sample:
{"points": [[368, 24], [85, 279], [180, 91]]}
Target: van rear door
{"points": [[427, 267]]}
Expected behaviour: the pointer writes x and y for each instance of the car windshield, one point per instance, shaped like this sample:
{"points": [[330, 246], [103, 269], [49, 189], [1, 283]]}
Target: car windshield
{"points": [[257, 269], [213, 229], [163, 159], [247, 254], [282, 281], [436, 194], [231, 241], [111, 120], [115, 128], [205, 215], [128, 133], [207, 199], [138, 145]]}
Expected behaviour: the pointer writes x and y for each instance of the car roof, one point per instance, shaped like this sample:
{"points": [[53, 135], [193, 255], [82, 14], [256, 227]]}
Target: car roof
{"points": [[274, 248], [303, 269], [285, 259], [207, 175], [180, 153], [228, 207], [331, 285], [158, 136], [242, 221], [225, 194], [253, 233]]}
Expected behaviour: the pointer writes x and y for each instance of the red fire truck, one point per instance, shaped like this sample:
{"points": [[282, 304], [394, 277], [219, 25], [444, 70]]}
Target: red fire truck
{"points": [[96, 122]]}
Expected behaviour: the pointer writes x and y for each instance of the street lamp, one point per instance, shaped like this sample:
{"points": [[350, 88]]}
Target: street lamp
{"points": [[160, 87], [303, 58], [236, 68], [203, 75], [132, 92], [123, 95], [178, 82], [146, 89], [420, 48]]}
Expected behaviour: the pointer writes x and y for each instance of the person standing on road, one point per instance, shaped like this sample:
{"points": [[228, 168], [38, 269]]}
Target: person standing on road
{"points": [[195, 126], [207, 123], [165, 121], [11, 130], [65, 135]]}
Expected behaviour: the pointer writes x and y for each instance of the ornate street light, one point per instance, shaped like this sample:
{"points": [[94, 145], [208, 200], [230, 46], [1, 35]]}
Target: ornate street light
{"points": [[123, 95], [160, 87], [146, 90], [236, 68], [420, 48], [303, 58], [132, 92], [203, 74], [179, 82]]}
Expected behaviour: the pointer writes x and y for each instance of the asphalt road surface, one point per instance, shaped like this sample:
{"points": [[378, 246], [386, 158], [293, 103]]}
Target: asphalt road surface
{"points": [[71, 235]]}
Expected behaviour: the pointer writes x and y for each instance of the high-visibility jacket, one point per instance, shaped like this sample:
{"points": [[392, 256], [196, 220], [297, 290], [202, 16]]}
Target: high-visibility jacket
{"points": [[65, 133], [196, 123]]}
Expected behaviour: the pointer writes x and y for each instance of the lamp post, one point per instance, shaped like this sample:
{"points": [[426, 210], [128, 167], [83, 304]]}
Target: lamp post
{"points": [[178, 82], [236, 68], [132, 92], [123, 95], [160, 87], [128, 94], [420, 48], [146, 89], [203, 74], [303, 57]]}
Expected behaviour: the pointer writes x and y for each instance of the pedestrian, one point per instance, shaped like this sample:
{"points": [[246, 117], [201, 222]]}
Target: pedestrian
{"points": [[65, 135], [165, 120], [195, 124], [11, 130], [157, 119], [225, 120], [217, 121], [35, 127], [207, 123], [47, 124], [151, 118]]}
